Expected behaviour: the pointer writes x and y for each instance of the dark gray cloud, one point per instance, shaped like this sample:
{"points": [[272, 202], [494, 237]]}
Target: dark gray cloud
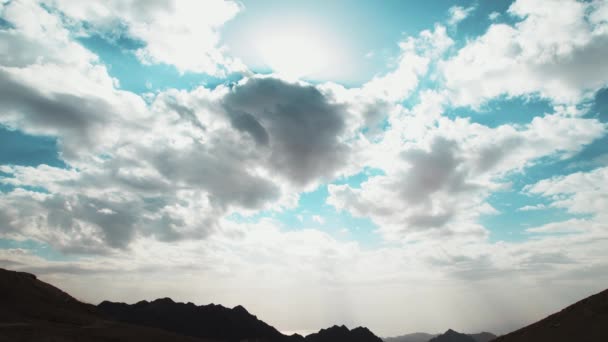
{"points": [[297, 123], [72, 118], [440, 169], [429, 220], [600, 105], [246, 122], [113, 221], [492, 155], [185, 113], [218, 167]]}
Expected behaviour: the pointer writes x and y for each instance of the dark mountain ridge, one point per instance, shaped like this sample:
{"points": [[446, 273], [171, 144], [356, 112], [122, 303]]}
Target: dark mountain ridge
{"points": [[207, 321], [583, 321], [32, 310], [342, 333], [220, 323]]}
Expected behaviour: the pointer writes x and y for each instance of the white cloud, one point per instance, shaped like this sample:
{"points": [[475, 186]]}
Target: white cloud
{"points": [[568, 226], [533, 207], [555, 51], [458, 14], [180, 33], [578, 193], [413, 63]]}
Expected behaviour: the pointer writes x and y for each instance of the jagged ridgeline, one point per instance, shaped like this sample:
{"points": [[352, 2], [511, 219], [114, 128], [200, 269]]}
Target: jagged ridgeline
{"points": [[32, 310]]}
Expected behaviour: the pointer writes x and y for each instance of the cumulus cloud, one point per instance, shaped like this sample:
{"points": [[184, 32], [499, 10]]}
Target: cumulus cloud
{"points": [[554, 51], [437, 184], [167, 29], [178, 177], [298, 124], [416, 55], [170, 169]]}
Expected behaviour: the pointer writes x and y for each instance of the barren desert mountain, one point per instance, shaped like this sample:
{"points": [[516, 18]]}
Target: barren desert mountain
{"points": [[207, 321], [27, 299], [32, 310], [584, 321], [220, 323]]}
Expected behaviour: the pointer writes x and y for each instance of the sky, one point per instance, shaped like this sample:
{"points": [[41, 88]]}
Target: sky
{"points": [[401, 165]]}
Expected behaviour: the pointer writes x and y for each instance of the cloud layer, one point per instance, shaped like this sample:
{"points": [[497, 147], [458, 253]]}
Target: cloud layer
{"points": [[200, 183]]}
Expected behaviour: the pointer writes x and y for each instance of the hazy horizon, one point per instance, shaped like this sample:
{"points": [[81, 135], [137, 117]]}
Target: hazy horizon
{"points": [[403, 166]]}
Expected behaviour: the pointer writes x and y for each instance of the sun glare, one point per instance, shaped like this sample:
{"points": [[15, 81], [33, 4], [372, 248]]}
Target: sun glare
{"points": [[296, 52]]}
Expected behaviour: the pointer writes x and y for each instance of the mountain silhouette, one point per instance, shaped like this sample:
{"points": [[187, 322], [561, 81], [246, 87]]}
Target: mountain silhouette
{"points": [[584, 321], [219, 323], [32, 310], [343, 334], [206, 321], [26, 299], [452, 336]]}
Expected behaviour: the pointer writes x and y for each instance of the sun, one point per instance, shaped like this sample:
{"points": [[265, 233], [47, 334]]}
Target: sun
{"points": [[296, 52]]}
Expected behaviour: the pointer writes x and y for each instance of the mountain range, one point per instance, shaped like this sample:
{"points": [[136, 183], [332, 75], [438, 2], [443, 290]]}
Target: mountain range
{"points": [[449, 336], [33, 310]]}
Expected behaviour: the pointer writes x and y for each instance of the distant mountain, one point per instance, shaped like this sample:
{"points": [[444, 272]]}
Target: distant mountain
{"points": [[414, 337], [343, 334], [32, 310], [584, 321], [205, 321], [447, 336], [452, 336], [483, 337]]}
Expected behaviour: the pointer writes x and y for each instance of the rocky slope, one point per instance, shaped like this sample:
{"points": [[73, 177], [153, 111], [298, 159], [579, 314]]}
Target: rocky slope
{"points": [[584, 321]]}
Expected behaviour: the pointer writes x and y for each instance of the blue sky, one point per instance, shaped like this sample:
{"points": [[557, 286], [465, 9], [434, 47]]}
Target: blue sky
{"points": [[372, 153]]}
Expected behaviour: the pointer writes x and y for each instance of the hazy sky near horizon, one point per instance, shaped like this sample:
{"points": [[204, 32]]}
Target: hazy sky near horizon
{"points": [[401, 165]]}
